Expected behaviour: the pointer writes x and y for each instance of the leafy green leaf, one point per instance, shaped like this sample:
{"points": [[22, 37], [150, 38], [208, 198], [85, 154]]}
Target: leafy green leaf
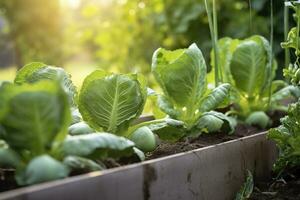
{"points": [[34, 116], [247, 189], [287, 138], [249, 66], [98, 145], [8, 158], [258, 118], [181, 74], [215, 121], [41, 169], [35, 71], [80, 128], [144, 139], [226, 47], [291, 41], [169, 130], [82, 165], [111, 101], [215, 98]]}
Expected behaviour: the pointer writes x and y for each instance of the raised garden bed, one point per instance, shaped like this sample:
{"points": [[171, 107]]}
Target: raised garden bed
{"points": [[213, 172]]}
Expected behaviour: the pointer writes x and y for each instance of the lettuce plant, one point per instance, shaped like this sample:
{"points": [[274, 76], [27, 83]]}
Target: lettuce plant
{"points": [[287, 138], [181, 74], [247, 66], [34, 119]]}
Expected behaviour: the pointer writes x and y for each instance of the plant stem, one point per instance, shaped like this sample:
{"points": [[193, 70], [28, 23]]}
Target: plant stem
{"points": [[216, 37], [271, 51], [287, 58], [213, 23], [137, 126], [250, 17], [298, 29]]}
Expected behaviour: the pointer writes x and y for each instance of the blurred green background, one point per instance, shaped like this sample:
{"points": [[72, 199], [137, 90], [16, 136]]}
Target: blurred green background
{"points": [[120, 35]]}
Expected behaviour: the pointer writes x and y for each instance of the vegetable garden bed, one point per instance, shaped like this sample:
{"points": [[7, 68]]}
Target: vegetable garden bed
{"points": [[204, 173]]}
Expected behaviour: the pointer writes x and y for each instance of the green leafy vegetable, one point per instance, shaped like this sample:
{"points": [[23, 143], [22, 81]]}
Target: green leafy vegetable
{"points": [[246, 65], [34, 120], [110, 102], [182, 76], [34, 117], [287, 138], [35, 71]]}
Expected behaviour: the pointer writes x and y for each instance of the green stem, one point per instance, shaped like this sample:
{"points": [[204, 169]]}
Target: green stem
{"points": [[137, 126], [298, 29], [213, 38], [287, 58], [215, 25], [271, 54], [250, 17]]}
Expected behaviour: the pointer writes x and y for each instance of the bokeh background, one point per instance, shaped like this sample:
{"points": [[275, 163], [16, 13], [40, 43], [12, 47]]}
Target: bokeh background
{"points": [[120, 35]]}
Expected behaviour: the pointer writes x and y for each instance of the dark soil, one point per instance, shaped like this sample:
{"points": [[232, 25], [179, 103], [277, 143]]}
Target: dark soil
{"points": [[241, 130], [286, 188], [165, 148]]}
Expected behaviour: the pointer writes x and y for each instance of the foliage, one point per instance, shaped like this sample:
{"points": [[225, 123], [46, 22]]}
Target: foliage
{"points": [[34, 28], [247, 189], [111, 102], [287, 137], [246, 65], [182, 76], [292, 72], [34, 72], [34, 120]]}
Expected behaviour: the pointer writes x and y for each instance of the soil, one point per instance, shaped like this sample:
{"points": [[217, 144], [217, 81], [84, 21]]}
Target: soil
{"points": [[286, 188], [242, 130]]}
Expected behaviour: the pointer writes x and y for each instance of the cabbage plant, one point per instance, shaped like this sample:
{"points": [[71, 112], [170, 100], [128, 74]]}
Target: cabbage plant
{"points": [[247, 66], [181, 74], [34, 120], [112, 102]]}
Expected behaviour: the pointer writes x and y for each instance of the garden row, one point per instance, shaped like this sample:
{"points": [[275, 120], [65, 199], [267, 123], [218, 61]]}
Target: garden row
{"points": [[49, 130]]}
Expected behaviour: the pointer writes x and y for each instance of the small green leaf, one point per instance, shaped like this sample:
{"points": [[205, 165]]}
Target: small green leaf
{"points": [[82, 165], [8, 158], [144, 139], [80, 128], [258, 118], [41, 169], [247, 189], [98, 145], [216, 121], [169, 130], [215, 98]]}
